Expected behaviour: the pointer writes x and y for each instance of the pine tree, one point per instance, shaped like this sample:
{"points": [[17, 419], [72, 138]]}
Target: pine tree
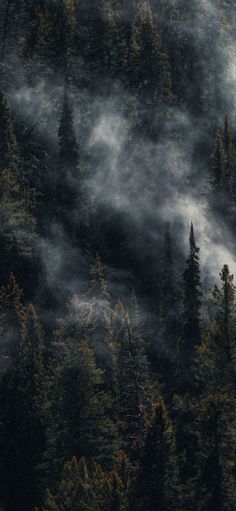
{"points": [[12, 315], [227, 141], [8, 148], [17, 224], [78, 415], [85, 486], [191, 336], [67, 171], [140, 355], [132, 382], [225, 299], [214, 421], [218, 161], [216, 364], [75, 490], [156, 482]]}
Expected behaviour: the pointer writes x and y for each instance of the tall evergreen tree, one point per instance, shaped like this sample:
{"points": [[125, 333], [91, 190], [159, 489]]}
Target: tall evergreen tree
{"points": [[78, 415], [216, 361], [218, 161], [227, 140], [133, 392], [17, 225], [67, 170], [191, 336], [9, 157]]}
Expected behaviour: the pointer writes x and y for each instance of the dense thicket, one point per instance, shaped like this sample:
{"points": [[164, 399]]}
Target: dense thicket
{"points": [[117, 366]]}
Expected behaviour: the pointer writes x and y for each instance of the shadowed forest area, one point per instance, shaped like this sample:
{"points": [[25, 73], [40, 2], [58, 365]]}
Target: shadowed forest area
{"points": [[117, 255]]}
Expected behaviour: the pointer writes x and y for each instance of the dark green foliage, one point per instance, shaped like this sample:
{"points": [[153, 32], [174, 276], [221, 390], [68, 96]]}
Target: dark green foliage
{"points": [[79, 423], [191, 336], [67, 178], [115, 118], [8, 146], [132, 379]]}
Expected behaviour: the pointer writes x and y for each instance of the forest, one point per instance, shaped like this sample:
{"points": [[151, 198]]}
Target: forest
{"points": [[117, 255]]}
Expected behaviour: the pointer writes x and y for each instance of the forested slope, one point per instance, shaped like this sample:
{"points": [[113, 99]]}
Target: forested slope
{"points": [[117, 242]]}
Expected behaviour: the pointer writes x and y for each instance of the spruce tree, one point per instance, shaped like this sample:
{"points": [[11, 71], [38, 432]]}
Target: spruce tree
{"points": [[78, 416], [215, 364], [85, 487], [132, 384], [218, 161], [227, 141], [9, 157], [75, 490], [191, 335], [67, 181], [129, 406], [214, 421], [17, 225]]}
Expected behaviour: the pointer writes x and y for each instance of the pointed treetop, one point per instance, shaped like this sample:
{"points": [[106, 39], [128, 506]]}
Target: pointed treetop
{"points": [[192, 240]]}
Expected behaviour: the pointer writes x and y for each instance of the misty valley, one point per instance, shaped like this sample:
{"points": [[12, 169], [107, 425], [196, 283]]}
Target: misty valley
{"points": [[117, 255]]}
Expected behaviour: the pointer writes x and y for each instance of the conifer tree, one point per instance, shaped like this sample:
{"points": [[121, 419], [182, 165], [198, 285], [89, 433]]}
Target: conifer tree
{"points": [[218, 161], [133, 392], [157, 477], [191, 336], [216, 365], [17, 225], [78, 415], [227, 141], [75, 490], [67, 172], [85, 487], [213, 420], [12, 315], [140, 355], [8, 148]]}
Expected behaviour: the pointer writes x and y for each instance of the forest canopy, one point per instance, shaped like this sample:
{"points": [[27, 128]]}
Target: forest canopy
{"points": [[117, 252]]}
